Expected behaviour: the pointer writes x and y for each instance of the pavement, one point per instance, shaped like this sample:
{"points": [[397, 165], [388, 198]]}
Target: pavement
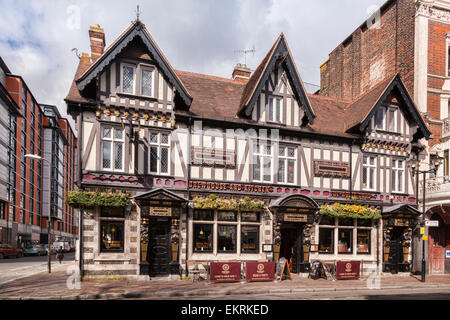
{"points": [[13, 269], [59, 285]]}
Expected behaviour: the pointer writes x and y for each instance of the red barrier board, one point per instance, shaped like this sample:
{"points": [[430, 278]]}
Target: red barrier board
{"points": [[260, 271], [225, 271], [347, 270]]}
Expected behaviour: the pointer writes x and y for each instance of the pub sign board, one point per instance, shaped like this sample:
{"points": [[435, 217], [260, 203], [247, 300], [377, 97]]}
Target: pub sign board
{"points": [[296, 215], [225, 272], [160, 211], [259, 271], [347, 270]]}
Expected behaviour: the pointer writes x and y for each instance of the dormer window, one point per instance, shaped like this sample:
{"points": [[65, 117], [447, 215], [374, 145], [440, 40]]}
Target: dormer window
{"points": [[128, 78], [380, 119], [392, 120], [386, 119], [147, 76], [275, 109]]}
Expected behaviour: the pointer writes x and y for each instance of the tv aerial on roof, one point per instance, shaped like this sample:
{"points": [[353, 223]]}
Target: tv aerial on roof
{"points": [[245, 53]]}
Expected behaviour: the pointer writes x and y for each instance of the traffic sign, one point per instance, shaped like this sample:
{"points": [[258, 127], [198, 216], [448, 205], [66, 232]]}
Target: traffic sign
{"points": [[432, 223], [422, 230], [425, 237]]}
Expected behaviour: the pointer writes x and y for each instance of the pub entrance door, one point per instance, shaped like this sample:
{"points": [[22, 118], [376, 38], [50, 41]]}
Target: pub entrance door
{"points": [[291, 244], [396, 250], [159, 247]]}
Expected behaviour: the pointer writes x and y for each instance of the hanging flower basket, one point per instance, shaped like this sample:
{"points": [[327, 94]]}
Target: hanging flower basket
{"points": [[350, 211], [213, 202], [89, 199]]}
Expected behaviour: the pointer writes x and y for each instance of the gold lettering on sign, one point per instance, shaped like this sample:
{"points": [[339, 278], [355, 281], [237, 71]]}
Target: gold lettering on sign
{"points": [[332, 169], [401, 222], [161, 211], [295, 217]]}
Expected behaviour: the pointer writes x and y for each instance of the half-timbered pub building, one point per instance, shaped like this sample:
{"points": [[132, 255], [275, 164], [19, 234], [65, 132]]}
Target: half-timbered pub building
{"points": [[251, 168]]}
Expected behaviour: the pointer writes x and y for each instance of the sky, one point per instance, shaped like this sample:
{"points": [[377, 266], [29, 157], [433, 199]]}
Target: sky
{"points": [[204, 36]]}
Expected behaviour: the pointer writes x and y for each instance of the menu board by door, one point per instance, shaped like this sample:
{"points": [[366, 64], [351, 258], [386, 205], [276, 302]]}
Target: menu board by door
{"points": [[225, 271], [347, 270], [259, 271]]}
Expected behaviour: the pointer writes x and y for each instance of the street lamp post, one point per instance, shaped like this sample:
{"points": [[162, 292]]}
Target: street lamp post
{"points": [[49, 224], [415, 171]]}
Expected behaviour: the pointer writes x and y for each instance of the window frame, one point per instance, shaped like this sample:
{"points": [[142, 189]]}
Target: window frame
{"points": [[122, 66], [159, 146], [369, 166], [388, 119], [112, 142], [273, 114], [285, 158], [112, 220], [142, 68], [394, 175], [262, 156], [238, 225]]}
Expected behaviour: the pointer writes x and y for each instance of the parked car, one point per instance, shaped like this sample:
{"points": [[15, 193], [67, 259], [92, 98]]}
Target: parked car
{"points": [[7, 251], [65, 245], [35, 250], [46, 249]]}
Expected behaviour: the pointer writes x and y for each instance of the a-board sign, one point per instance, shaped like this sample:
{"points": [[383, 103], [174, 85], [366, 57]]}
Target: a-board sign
{"points": [[225, 271], [347, 270], [259, 271], [283, 269]]}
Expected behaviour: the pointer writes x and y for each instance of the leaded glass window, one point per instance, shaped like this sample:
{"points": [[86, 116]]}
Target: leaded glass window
{"points": [[147, 82], [113, 148], [128, 79]]}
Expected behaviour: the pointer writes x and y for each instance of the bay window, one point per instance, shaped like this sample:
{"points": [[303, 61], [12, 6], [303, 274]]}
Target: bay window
{"points": [[113, 140], [159, 153]]}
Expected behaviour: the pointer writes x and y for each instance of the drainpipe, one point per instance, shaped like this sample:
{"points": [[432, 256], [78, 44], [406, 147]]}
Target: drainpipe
{"points": [[80, 150], [189, 194]]}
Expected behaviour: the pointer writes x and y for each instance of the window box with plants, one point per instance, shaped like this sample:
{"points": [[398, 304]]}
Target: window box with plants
{"points": [[350, 211], [91, 199]]}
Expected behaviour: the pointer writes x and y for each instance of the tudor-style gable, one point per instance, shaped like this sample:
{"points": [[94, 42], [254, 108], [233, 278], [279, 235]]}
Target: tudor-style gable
{"points": [[108, 74], [275, 91], [387, 109]]}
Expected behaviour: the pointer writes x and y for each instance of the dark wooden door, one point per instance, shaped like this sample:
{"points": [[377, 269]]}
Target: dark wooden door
{"points": [[291, 245], [396, 250], [159, 249]]}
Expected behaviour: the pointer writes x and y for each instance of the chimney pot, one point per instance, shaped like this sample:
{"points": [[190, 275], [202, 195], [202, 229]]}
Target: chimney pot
{"points": [[241, 73], [97, 39]]}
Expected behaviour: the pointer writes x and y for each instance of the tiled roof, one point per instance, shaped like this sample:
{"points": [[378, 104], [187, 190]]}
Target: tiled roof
{"points": [[74, 94], [359, 109], [256, 77], [223, 99]]}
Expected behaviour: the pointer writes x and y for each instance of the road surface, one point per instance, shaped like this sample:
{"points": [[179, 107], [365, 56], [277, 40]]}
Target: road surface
{"points": [[13, 269]]}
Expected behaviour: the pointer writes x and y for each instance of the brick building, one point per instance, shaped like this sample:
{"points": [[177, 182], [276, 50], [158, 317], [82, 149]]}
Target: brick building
{"points": [[412, 38], [59, 146], [22, 216]]}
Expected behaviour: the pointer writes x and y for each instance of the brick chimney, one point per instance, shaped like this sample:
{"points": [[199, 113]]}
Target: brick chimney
{"points": [[241, 73], [97, 38]]}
